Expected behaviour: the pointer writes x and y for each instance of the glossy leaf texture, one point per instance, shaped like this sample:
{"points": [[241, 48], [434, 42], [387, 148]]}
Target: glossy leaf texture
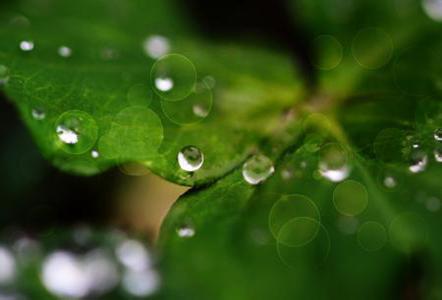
{"points": [[137, 86]]}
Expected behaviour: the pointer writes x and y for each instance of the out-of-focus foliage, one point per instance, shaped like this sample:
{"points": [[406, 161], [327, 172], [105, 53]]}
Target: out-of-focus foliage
{"points": [[352, 209]]}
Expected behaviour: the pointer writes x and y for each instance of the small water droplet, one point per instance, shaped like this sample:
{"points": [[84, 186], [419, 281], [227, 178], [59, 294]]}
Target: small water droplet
{"points": [[418, 161], [27, 46], [4, 75], [257, 169], [64, 51], [156, 46], [95, 153], [67, 135], [190, 159], [164, 84], [38, 114], [389, 182], [438, 134], [185, 231]]}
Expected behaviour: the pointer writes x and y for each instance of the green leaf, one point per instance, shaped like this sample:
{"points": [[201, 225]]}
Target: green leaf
{"points": [[105, 74]]}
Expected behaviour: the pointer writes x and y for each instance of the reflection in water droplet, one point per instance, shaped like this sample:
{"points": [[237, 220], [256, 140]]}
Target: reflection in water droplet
{"points": [[64, 51], [95, 154], [4, 75], [38, 114], [66, 135], [164, 84], [329, 50], [156, 46], [27, 46], [185, 231], [389, 182], [418, 161], [133, 255], [433, 204], [190, 159], [173, 77], [438, 134], [141, 283], [433, 9], [77, 131], [7, 266], [257, 169], [372, 236], [350, 198]]}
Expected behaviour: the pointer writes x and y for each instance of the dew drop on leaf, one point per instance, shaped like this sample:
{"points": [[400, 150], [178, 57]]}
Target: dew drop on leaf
{"points": [[76, 131], [333, 164], [190, 159], [95, 154], [418, 161], [185, 231], [64, 51], [38, 114], [257, 169], [27, 46], [173, 77], [389, 182], [438, 134]]}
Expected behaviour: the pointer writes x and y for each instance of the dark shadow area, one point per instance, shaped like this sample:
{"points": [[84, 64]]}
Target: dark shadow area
{"points": [[34, 195], [265, 22]]}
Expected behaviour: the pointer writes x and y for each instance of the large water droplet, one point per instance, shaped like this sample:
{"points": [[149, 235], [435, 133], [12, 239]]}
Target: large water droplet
{"points": [[173, 77], [418, 161], [38, 114], [156, 46], [333, 163], [433, 8], [185, 231], [438, 134], [4, 75], [76, 131], [257, 169], [27, 46], [64, 51], [190, 159]]}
